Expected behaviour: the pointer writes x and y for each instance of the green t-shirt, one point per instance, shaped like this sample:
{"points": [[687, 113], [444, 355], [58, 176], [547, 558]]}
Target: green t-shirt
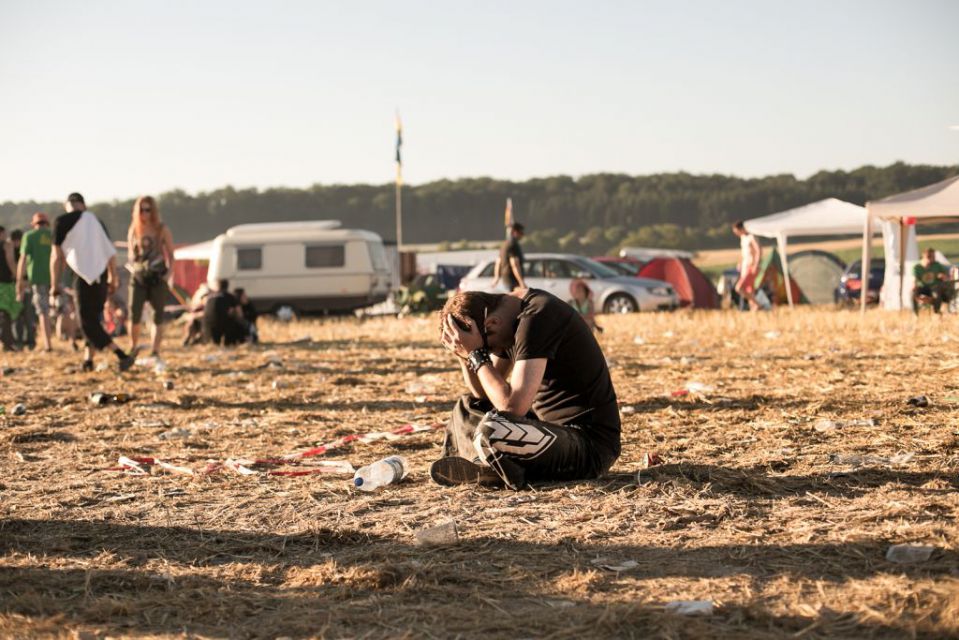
{"points": [[929, 276], [36, 246]]}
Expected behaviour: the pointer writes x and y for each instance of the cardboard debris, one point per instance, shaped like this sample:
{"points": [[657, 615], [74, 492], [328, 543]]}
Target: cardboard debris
{"points": [[441, 534]]}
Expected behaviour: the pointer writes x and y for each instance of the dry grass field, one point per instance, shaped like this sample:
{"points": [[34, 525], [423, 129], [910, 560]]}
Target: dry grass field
{"points": [[783, 484]]}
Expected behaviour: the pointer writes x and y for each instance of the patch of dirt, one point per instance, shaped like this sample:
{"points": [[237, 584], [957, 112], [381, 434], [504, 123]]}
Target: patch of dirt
{"points": [[782, 486]]}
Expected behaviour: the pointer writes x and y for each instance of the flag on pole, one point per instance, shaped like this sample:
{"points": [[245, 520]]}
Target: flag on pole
{"points": [[399, 146]]}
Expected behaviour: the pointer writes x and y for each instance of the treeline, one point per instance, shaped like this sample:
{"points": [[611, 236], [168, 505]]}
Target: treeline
{"points": [[592, 214]]}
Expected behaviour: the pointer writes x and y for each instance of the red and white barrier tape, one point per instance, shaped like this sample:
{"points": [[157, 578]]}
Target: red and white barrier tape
{"points": [[135, 465]]}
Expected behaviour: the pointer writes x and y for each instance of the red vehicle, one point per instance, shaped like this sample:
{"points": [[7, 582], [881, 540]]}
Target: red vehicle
{"points": [[625, 266]]}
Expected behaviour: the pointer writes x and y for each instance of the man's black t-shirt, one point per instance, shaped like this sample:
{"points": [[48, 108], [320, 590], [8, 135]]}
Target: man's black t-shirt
{"points": [[510, 249], [6, 275], [576, 387], [217, 308]]}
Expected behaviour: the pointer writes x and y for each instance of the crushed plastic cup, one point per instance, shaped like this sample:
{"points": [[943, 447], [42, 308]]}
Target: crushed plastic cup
{"points": [[611, 565], [627, 410], [442, 534], [825, 426], [690, 607], [909, 553], [179, 433], [421, 386], [19, 409]]}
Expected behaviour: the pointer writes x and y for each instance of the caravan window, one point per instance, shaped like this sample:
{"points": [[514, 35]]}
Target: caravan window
{"points": [[325, 256], [249, 258]]}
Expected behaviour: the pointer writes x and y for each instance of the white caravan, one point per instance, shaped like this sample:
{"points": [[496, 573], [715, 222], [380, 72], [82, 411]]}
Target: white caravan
{"points": [[310, 266]]}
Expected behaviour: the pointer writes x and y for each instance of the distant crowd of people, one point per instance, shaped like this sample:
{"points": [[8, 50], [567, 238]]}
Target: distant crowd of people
{"points": [[62, 280]]}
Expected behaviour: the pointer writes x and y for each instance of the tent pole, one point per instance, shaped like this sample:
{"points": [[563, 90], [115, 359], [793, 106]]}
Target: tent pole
{"points": [[902, 261], [781, 241], [865, 270]]}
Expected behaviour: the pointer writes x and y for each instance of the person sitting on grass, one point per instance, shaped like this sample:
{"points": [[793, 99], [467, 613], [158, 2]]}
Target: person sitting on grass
{"points": [[222, 317], [249, 315], [193, 331], [541, 404], [582, 301], [933, 286]]}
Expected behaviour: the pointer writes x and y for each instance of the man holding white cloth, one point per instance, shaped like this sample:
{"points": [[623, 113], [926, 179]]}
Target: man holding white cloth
{"points": [[81, 241]]}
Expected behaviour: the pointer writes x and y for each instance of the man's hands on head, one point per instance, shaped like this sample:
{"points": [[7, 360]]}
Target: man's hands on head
{"points": [[457, 341]]}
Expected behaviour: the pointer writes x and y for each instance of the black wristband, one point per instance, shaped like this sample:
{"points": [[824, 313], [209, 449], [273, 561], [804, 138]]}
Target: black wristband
{"points": [[477, 358]]}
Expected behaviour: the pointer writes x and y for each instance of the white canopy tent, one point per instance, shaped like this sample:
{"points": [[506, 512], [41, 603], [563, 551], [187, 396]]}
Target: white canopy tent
{"points": [[829, 217], [936, 201]]}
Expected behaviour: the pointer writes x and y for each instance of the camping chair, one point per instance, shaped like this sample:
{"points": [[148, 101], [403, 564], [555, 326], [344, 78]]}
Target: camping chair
{"points": [[944, 295]]}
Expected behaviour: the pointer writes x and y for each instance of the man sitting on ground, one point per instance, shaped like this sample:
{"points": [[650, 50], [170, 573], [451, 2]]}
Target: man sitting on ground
{"points": [[222, 317], [541, 405], [932, 283]]}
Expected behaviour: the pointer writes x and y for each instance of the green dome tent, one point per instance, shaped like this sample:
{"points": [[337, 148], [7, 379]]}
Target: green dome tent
{"points": [[817, 274]]}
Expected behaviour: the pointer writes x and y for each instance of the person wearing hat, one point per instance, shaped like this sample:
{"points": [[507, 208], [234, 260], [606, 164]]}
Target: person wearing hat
{"points": [[33, 270]]}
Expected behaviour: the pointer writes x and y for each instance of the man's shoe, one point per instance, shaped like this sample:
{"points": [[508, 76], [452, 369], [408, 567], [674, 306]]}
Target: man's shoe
{"points": [[453, 470], [126, 363]]}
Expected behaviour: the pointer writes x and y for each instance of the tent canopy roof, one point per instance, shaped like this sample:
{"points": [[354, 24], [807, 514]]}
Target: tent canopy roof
{"points": [[826, 217], [939, 200]]}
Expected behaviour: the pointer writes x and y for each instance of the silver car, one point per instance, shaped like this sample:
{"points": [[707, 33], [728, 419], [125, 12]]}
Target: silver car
{"points": [[554, 272]]}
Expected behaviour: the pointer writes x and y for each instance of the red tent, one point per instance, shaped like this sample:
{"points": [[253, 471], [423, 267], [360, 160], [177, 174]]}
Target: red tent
{"points": [[692, 286]]}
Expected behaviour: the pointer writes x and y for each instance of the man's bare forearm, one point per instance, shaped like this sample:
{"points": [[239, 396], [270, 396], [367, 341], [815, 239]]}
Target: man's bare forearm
{"points": [[472, 382], [495, 388]]}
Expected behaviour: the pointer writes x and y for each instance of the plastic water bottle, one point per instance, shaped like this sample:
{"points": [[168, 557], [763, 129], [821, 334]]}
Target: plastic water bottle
{"points": [[380, 473]]}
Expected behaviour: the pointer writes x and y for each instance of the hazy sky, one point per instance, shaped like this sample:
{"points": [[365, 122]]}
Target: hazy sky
{"points": [[120, 98]]}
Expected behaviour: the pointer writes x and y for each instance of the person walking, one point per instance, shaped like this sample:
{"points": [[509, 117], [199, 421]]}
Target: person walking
{"points": [[749, 255], [9, 305], [25, 327], [81, 241], [33, 272], [151, 264]]}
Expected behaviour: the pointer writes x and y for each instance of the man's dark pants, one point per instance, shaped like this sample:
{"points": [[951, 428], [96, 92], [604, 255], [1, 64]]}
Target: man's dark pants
{"points": [[90, 299], [544, 451]]}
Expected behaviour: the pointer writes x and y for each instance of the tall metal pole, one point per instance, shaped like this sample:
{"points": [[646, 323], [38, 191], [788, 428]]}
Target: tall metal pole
{"points": [[866, 271], [399, 184], [399, 209]]}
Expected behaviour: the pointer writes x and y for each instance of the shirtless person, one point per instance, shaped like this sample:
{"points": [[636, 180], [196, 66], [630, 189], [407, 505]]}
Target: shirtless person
{"points": [[750, 253], [541, 404]]}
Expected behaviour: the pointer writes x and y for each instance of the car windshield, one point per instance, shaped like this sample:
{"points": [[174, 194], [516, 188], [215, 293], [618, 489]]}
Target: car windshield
{"points": [[597, 269], [627, 268]]}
